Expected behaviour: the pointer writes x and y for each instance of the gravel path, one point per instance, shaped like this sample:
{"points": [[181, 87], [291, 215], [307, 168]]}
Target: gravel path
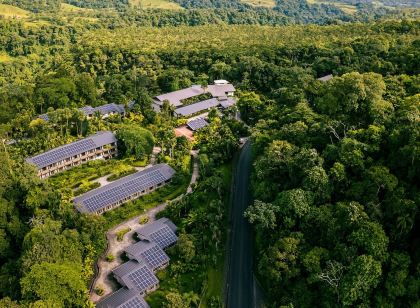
{"points": [[116, 248], [104, 278]]}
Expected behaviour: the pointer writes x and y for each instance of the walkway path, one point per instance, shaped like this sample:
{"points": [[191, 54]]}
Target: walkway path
{"points": [[195, 173], [116, 248]]}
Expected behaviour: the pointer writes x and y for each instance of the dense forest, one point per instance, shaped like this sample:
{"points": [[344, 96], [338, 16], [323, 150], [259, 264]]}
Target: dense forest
{"points": [[336, 210], [190, 12]]}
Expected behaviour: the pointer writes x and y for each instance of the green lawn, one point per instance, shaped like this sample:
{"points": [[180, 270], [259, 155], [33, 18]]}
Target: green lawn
{"points": [[68, 8], [86, 172], [346, 8], [155, 4], [10, 11]]}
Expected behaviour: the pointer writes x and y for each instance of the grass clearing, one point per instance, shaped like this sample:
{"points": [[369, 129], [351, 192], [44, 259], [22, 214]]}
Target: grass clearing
{"points": [[346, 8], [37, 23], [264, 3], [155, 4], [10, 11], [68, 8]]}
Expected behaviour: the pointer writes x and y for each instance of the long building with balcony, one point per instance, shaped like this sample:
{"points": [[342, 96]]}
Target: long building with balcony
{"points": [[128, 188], [102, 145]]}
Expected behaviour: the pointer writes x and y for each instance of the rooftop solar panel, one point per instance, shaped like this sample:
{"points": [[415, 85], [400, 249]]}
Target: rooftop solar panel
{"points": [[197, 107], [164, 237], [124, 188], [123, 298], [197, 124], [142, 279], [72, 149], [155, 257], [136, 302]]}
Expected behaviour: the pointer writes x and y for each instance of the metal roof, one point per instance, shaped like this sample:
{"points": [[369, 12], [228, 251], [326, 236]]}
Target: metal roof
{"points": [[136, 276], [197, 107], [161, 231], [326, 78], [87, 110], [175, 97], [149, 253], [196, 124], [228, 102], [104, 110], [123, 188], [123, 298], [72, 149], [109, 108], [44, 116], [126, 268], [218, 90]]}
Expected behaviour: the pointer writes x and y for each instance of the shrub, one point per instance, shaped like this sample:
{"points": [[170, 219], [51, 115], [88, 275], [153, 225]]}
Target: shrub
{"points": [[110, 257], [85, 187], [99, 290], [120, 234], [121, 173], [144, 219]]}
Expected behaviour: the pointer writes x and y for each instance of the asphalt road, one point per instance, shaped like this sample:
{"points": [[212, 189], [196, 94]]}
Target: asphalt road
{"points": [[240, 283]]}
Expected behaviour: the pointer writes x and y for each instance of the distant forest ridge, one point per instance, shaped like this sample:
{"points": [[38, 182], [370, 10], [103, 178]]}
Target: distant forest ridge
{"points": [[162, 13]]}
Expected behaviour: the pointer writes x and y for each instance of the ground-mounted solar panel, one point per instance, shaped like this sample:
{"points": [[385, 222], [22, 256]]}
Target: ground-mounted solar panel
{"points": [[164, 237], [197, 124], [142, 279], [136, 302]]}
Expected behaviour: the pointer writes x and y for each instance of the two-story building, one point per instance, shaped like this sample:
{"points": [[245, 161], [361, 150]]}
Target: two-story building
{"points": [[102, 145]]}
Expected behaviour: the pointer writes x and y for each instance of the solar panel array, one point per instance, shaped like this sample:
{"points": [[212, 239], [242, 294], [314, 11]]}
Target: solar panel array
{"points": [[143, 279], [110, 108], [155, 257], [136, 302], [197, 107], [164, 237], [122, 189], [198, 123], [61, 153]]}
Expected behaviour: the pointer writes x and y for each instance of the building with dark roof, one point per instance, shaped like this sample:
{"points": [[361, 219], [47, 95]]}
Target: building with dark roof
{"points": [[221, 93], [136, 276], [123, 190], [196, 108], [146, 257], [123, 298], [161, 231], [102, 145], [149, 253], [104, 110], [197, 124]]}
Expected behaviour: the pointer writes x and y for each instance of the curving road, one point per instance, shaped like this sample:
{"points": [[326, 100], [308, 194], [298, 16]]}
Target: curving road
{"points": [[240, 286]]}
